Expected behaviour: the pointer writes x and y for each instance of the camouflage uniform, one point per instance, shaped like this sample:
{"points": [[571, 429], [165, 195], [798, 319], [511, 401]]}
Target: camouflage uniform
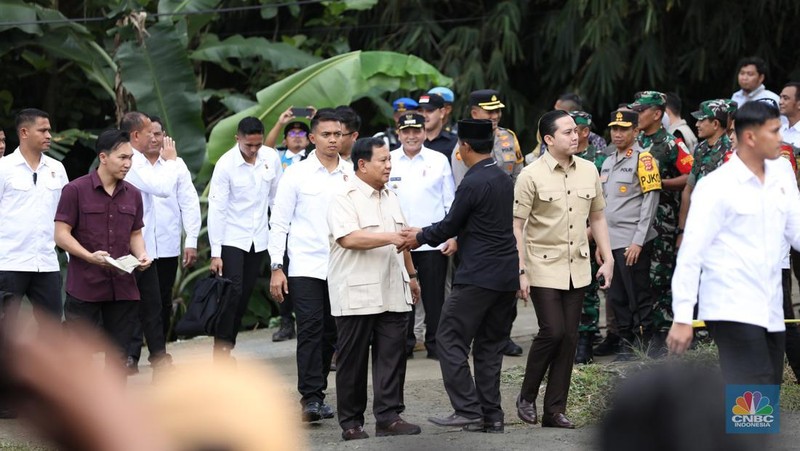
{"points": [[590, 313], [665, 149], [707, 158]]}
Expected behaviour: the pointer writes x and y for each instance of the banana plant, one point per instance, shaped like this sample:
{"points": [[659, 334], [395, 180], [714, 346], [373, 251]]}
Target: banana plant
{"points": [[339, 80]]}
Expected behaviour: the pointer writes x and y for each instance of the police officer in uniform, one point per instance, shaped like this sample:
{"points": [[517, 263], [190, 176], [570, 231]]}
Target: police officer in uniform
{"points": [[590, 313], [631, 185], [674, 162], [485, 104], [477, 313]]}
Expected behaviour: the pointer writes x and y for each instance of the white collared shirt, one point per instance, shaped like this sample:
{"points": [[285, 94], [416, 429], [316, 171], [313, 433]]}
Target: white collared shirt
{"points": [[741, 97], [239, 198], [424, 184], [152, 184], [27, 211], [300, 210], [731, 253], [181, 208], [791, 134]]}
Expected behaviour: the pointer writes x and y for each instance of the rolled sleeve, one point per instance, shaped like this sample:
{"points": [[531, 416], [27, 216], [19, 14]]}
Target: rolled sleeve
{"points": [[524, 194]]}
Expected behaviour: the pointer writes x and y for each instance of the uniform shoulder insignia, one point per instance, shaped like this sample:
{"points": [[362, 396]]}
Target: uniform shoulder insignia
{"points": [[649, 176]]}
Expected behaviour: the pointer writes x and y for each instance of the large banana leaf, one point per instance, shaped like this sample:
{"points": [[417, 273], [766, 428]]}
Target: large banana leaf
{"points": [[280, 55], [339, 80], [159, 75]]}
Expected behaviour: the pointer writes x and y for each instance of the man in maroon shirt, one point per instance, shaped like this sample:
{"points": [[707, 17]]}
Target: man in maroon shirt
{"points": [[100, 215]]}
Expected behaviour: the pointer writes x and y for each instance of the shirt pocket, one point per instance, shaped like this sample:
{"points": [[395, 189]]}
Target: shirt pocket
{"points": [[545, 255], [549, 201], [584, 198], [363, 290], [126, 219], [22, 183], [94, 224], [368, 220]]}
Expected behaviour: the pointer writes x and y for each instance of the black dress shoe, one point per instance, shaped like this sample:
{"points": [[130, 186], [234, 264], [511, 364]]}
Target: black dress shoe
{"points": [[131, 366], [454, 420], [557, 420], [496, 427], [356, 433], [326, 411], [7, 413], [399, 427], [526, 410], [512, 349], [312, 412], [286, 331]]}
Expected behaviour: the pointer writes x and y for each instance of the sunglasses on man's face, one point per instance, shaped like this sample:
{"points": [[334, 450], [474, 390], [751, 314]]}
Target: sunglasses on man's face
{"points": [[297, 134]]}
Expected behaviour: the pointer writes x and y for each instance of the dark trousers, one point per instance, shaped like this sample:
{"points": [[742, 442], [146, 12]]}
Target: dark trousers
{"points": [[559, 314], [242, 269], [316, 336], [42, 288], [748, 354], [386, 333], [631, 295], [792, 329], [167, 273], [479, 317], [150, 321], [432, 273], [116, 318], [286, 308]]}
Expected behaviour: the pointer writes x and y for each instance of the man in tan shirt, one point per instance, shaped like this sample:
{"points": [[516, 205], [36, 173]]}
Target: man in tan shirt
{"points": [[372, 288], [553, 198]]}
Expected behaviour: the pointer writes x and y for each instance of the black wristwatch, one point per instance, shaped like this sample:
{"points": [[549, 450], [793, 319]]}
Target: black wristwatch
{"points": [[276, 266], [678, 231], [521, 271]]}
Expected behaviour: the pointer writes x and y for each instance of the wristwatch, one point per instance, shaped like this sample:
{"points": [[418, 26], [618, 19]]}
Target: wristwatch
{"points": [[678, 231], [412, 275], [276, 266], [521, 271]]}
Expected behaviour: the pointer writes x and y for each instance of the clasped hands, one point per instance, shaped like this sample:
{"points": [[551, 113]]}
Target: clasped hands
{"points": [[406, 239]]}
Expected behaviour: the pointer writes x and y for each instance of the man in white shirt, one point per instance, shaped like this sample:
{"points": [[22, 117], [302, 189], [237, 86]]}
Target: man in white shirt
{"points": [[30, 188], [143, 176], [241, 191], [301, 203], [370, 294], [181, 208], [731, 253], [751, 73], [790, 108], [423, 181]]}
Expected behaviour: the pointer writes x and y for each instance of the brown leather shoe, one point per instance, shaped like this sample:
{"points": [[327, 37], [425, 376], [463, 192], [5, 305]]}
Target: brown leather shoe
{"points": [[557, 420], [356, 433], [526, 410], [399, 427]]}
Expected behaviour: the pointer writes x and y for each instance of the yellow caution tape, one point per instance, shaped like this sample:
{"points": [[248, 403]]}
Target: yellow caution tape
{"points": [[699, 323]]}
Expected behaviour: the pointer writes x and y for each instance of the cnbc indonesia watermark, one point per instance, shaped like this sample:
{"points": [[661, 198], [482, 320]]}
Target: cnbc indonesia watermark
{"points": [[752, 409]]}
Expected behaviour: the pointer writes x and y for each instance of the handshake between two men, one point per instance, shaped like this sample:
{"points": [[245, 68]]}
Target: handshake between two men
{"points": [[406, 240]]}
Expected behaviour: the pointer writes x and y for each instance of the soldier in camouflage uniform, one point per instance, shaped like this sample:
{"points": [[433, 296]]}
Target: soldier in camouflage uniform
{"points": [[713, 119], [590, 314], [674, 162]]}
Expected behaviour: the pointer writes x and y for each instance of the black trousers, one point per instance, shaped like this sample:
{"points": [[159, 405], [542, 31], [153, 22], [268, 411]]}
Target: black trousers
{"points": [[242, 269], [386, 333], [286, 308], [559, 314], [150, 320], [748, 354], [42, 288], [630, 294], [316, 336], [116, 318], [481, 318], [167, 273], [432, 275]]}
